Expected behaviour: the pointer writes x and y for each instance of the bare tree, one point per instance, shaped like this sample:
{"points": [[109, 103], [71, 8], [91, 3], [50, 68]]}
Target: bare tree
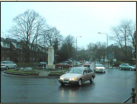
{"points": [[123, 34], [97, 51], [28, 26], [49, 37]]}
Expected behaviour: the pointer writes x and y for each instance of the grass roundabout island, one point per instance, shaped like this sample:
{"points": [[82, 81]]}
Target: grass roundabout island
{"points": [[22, 72], [56, 73]]}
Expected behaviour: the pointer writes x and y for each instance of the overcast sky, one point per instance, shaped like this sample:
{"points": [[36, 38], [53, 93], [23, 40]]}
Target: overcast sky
{"points": [[84, 19]]}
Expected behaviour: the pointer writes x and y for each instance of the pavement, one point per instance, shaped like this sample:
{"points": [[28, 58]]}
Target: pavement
{"points": [[46, 72], [43, 73]]}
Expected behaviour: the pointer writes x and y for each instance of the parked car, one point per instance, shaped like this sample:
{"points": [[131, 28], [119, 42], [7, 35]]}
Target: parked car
{"points": [[77, 75], [8, 64], [135, 67], [25, 68], [126, 66], [99, 68], [42, 64], [2, 66]]}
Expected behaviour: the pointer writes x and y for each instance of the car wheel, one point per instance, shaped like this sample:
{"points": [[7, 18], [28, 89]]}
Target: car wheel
{"points": [[80, 82], [62, 84], [7, 68], [104, 71], [130, 69], [120, 68], [15, 67], [91, 79]]}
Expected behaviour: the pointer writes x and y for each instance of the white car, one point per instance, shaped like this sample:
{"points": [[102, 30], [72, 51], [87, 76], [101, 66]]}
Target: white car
{"points": [[8, 64], [126, 66], [99, 68]]}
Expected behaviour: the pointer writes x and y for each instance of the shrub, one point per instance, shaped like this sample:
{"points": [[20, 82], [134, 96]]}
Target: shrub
{"points": [[27, 64]]}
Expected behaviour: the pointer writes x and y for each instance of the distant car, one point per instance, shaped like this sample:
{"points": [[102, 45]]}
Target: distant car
{"points": [[64, 64], [8, 64], [77, 75], [126, 66], [87, 65], [25, 68], [99, 68], [81, 61], [28, 68], [42, 64], [87, 62]]}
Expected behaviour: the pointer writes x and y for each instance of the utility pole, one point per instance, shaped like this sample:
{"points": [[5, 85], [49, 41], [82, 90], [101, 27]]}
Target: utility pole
{"points": [[76, 50], [126, 45], [107, 45], [107, 50]]}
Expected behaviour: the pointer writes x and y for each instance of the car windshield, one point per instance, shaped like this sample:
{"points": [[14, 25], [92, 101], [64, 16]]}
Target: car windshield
{"points": [[76, 71], [125, 64], [27, 68], [4, 62], [99, 65], [42, 62], [86, 65]]}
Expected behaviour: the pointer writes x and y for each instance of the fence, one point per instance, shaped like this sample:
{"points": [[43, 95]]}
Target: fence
{"points": [[133, 95]]}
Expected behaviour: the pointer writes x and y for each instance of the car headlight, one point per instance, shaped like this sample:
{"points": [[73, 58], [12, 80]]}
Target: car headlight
{"points": [[73, 79], [61, 78]]}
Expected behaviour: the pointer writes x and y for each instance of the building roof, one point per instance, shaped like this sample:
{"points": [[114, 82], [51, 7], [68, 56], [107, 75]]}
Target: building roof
{"points": [[2, 39], [11, 40]]}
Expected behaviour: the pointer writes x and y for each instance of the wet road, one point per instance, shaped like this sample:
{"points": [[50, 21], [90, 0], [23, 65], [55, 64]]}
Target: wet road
{"points": [[112, 87]]}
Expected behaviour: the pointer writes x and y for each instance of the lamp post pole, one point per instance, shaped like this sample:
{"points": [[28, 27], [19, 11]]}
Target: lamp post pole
{"points": [[77, 49], [107, 44]]}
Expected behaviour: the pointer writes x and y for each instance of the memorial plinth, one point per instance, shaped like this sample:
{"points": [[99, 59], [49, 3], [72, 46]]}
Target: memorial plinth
{"points": [[51, 58]]}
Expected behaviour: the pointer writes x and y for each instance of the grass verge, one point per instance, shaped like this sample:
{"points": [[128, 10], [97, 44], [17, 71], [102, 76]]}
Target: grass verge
{"points": [[57, 73], [21, 72]]}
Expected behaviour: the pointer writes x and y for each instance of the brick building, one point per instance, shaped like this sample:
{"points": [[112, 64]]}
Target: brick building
{"points": [[12, 49]]}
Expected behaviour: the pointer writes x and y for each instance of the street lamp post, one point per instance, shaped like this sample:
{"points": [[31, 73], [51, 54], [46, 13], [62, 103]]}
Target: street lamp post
{"points": [[76, 48], [107, 45]]}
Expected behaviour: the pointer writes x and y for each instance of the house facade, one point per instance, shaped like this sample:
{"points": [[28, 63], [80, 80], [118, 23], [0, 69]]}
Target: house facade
{"points": [[13, 50]]}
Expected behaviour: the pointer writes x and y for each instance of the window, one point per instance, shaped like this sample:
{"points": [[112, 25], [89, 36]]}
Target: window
{"points": [[85, 72], [89, 71], [6, 45], [8, 51], [8, 58], [2, 58]]}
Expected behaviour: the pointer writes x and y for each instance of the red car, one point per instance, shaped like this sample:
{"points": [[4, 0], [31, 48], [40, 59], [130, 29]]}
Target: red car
{"points": [[87, 65], [63, 65]]}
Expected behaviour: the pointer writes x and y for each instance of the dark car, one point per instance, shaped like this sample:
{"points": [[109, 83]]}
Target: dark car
{"points": [[42, 64], [126, 66]]}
